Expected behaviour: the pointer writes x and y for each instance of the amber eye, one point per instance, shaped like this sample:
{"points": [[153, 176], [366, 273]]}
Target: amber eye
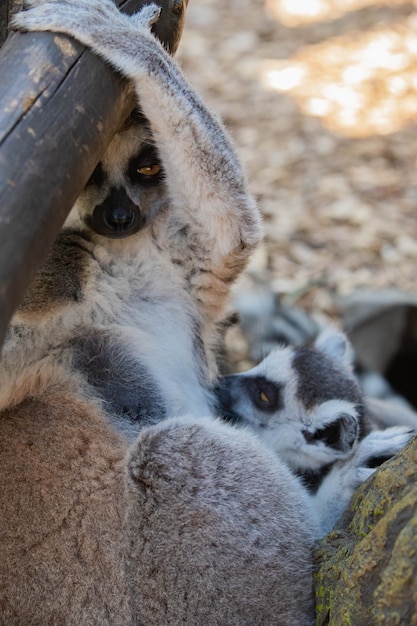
{"points": [[264, 397], [149, 170], [145, 169], [265, 394]]}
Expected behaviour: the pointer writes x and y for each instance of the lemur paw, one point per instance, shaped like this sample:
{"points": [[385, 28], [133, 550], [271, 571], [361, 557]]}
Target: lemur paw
{"points": [[382, 444], [374, 449], [88, 21], [346, 476], [72, 17], [99, 25]]}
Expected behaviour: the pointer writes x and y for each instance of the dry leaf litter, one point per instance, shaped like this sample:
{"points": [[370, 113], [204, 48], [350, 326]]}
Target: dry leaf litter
{"points": [[320, 97]]}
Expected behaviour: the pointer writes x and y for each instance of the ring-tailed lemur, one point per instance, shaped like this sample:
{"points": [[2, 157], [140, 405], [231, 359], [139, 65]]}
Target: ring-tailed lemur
{"points": [[133, 293], [107, 517], [306, 404]]}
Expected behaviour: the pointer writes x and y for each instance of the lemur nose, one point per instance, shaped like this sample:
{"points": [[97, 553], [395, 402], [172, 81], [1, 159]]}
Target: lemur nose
{"points": [[119, 218]]}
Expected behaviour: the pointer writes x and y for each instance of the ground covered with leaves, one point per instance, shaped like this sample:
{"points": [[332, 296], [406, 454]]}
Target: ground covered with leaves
{"points": [[320, 97]]}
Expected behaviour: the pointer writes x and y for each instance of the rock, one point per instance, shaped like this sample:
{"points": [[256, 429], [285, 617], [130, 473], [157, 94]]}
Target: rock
{"points": [[366, 569]]}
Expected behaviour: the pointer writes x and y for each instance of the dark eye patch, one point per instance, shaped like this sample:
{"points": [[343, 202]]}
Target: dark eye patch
{"points": [[265, 394], [146, 159]]}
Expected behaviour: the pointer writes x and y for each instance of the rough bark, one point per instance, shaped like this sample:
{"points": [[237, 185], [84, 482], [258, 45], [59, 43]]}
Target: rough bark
{"points": [[59, 107], [367, 567]]}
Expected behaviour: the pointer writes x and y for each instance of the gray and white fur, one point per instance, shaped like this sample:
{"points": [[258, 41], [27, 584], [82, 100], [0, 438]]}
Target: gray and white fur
{"points": [[133, 293], [306, 404], [121, 500]]}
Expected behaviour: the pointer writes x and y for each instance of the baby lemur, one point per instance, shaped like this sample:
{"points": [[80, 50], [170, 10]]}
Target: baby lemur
{"points": [[306, 404]]}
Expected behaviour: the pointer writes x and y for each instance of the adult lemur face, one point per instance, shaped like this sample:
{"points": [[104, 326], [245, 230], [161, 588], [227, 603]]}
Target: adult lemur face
{"points": [[126, 189]]}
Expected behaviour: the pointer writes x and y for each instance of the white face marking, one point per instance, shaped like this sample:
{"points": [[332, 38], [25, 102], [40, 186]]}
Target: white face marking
{"points": [[120, 186], [307, 437]]}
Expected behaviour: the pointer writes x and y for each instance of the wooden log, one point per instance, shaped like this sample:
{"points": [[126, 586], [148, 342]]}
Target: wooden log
{"points": [[60, 106]]}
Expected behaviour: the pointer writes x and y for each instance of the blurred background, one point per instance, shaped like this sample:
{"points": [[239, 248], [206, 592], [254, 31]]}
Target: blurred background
{"points": [[320, 97]]}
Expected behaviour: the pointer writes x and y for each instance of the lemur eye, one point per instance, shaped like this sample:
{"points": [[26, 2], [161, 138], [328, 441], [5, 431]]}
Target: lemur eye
{"points": [[264, 397], [265, 394], [145, 168], [267, 400], [149, 170]]}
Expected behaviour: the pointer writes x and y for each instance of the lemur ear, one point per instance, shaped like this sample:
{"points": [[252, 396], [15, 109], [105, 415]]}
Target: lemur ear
{"points": [[335, 344]]}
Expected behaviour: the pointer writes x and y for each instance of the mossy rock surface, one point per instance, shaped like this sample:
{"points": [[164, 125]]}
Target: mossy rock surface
{"points": [[366, 569]]}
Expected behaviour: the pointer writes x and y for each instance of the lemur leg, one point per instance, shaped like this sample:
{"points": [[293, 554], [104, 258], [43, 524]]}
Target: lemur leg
{"points": [[213, 221], [337, 488]]}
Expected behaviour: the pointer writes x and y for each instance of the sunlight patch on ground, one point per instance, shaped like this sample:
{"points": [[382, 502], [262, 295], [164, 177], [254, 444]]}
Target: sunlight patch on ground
{"points": [[360, 85], [298, 12]]}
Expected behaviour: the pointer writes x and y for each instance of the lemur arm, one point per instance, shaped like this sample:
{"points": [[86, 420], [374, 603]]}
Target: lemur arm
{"points": [[337, 488], [213, 221]]}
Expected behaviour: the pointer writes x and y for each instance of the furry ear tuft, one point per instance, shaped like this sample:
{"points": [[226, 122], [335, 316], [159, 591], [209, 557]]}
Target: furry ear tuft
{"points": [[336, 345]]}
